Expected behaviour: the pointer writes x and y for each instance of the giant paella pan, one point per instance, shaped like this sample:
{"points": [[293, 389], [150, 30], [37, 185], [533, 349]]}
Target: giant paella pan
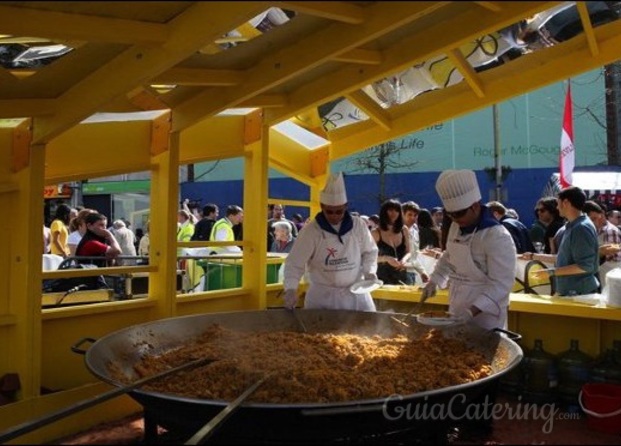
{"points": [[114, 357]]}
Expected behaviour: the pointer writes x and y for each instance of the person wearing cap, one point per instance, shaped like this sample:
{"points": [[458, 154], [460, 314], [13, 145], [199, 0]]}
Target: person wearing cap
{"points": [[480, 259], [336, 249]]}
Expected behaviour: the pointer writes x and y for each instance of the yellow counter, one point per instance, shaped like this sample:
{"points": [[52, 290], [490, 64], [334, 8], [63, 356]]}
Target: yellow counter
{"points": [[554, 320]]}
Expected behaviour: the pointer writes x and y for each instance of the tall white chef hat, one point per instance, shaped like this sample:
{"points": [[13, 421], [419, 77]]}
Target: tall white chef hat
{"points": [[458, 189], [334, 192]]}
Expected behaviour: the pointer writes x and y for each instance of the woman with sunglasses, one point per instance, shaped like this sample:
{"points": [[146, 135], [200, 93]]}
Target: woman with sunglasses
{"points": [[336, 250], [480, 258]]}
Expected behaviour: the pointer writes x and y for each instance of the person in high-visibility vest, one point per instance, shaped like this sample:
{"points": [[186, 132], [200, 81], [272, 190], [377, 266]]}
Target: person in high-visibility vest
{"points": [[222, 230]]}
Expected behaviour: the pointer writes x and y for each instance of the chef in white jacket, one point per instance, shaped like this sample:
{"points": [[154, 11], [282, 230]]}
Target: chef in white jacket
{"points": [[336, 250], [480, 258]]}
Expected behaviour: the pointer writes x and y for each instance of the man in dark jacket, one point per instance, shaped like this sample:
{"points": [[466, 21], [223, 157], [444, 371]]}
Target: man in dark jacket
{"points": [[518, 230], [202, 229]]}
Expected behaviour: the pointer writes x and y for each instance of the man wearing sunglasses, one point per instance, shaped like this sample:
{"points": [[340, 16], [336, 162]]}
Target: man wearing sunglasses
{"points": [[337, 250], [480, 258]]}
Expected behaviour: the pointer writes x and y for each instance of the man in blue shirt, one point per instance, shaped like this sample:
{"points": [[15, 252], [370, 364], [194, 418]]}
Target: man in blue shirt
{"points": [[577, 261]]}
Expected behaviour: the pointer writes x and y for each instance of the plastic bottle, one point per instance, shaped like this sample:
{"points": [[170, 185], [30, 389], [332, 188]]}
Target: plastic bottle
{"points": [[616, 346], [541, 375], [607, 369], [573, 371]]}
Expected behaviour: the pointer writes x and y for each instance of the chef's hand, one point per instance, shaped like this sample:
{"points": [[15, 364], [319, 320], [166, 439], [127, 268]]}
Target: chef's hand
{"points": [[429, 290], [465, 316], [291, 299], [370, 276]]}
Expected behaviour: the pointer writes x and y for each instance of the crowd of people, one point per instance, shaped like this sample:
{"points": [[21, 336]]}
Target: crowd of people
{"points": [[83, 232], [476, 245]]}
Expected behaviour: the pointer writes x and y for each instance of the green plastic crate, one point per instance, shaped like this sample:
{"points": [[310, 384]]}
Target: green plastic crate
{"points": [[222, 276]]}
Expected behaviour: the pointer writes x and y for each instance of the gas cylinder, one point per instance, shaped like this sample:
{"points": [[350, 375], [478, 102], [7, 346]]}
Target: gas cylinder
{"points": [[573, 371], [541, 375]]}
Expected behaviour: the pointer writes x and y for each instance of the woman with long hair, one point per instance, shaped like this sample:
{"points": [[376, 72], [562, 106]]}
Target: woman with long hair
{"points": [[393, 241], [429, 233], [59, 231]]}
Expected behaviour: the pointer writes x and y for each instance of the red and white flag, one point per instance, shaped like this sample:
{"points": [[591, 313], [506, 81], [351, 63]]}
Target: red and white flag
{"points": [[567, 154]]}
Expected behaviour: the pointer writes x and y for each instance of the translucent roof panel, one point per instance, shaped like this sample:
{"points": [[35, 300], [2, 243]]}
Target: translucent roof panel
{"points": [[300, 135], [237, 111], [542, 30], [124, 117]]}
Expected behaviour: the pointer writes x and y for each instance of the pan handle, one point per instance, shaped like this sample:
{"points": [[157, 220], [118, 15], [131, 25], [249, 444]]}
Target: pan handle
{"points": [[342, 410], [32, 425], [205, 432], [511, 334], [75, 348]]}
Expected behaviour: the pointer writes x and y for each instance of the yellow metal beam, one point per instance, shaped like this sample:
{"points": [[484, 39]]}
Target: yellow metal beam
{"points": [[23, 108], [466, 71], [226, 133], [361, 56], [320, 159], [20, 149], [7, 77], [191, 30], [587, 26], [338, 11], [521, 75], [99, 149], [492, 6], [160, 134], [253, 127], [265, 101], [287, 153], [64, 26], [144, 99], [200, 77], [309, 119], [23, 274], [415, 48], [362, 100], [163, 228], [256, 175], [302, 56]]}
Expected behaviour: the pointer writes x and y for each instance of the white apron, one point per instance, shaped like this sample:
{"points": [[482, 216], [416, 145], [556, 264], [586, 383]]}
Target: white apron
{"points": [[330, 280], [467, 283], [330, 298]]}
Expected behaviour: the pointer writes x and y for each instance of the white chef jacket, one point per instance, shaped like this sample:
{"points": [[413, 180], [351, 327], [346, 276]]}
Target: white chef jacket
{"points": [[333, 266], [481, 267]]}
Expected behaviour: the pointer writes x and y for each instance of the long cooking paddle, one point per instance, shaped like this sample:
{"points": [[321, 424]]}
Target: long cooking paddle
{"points": [[296, 316], [415, 309], [30, 426], [208, 429]]}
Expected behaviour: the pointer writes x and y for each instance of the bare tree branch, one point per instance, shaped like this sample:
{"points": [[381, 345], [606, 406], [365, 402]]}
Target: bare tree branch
{"points": [[382, 159]]}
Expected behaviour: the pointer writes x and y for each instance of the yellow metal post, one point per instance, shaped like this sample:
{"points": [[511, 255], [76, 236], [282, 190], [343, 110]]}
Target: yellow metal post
{"points": [[255, 211], [163, 226], [24, 263]]}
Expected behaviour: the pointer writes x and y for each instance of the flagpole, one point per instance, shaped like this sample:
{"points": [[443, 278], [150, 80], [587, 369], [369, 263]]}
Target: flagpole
{"points": [[497, 152], [567, 152]]}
